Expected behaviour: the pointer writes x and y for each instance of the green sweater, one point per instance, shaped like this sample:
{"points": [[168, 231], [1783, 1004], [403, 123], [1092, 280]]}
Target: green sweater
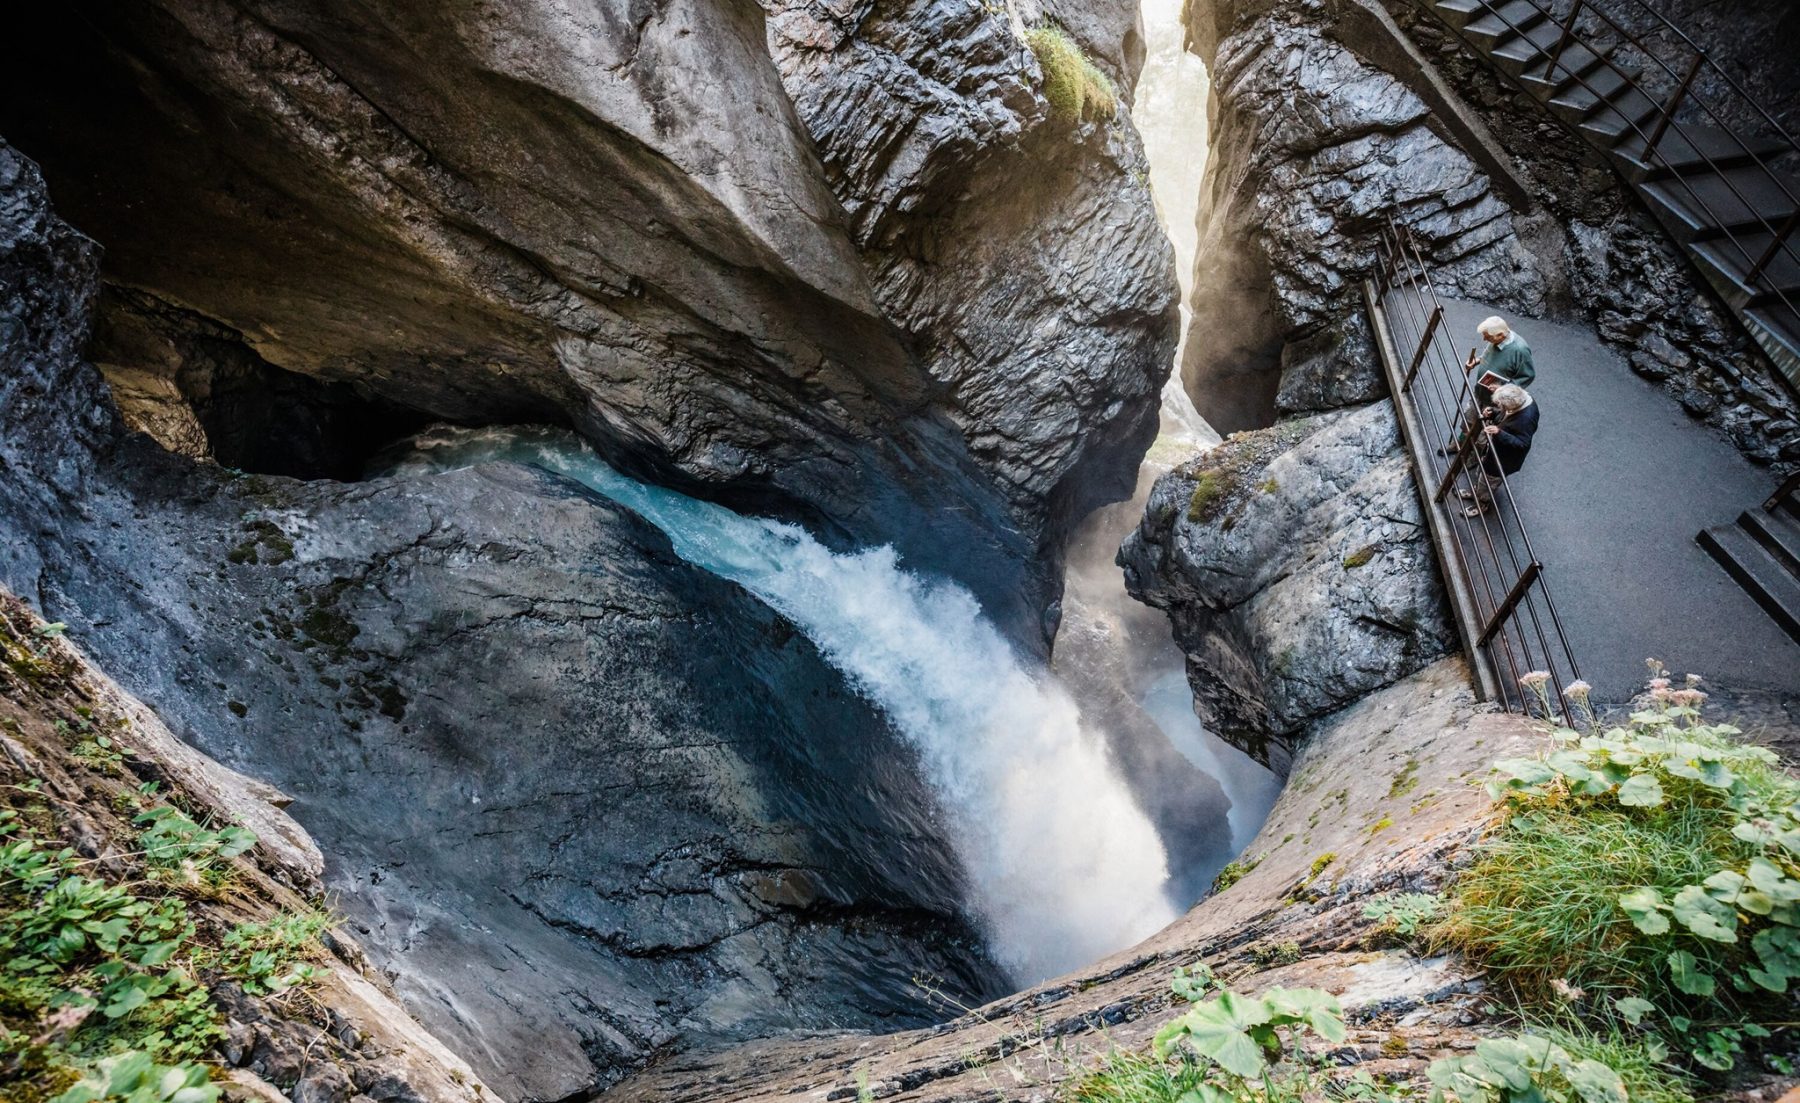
{"points": [[1513, 362]]}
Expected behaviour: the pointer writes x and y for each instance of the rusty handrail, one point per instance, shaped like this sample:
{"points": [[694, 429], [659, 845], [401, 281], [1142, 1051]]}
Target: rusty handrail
{"points": [[1520, 629]]}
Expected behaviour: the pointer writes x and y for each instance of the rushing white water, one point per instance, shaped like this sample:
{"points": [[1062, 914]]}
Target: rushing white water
{"points": [[1063, 864]]}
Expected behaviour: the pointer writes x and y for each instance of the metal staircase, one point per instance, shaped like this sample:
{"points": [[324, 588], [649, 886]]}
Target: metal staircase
{"points": [[1718, 172], [1762, 552]]}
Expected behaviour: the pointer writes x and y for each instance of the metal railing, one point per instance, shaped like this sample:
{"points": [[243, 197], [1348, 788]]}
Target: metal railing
{"points": [[1741, 234], [1788, 489], [1510, 616]]}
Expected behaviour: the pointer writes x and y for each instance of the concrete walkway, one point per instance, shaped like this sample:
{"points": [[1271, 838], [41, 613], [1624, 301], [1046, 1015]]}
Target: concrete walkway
{"points": [[1619, 481]]}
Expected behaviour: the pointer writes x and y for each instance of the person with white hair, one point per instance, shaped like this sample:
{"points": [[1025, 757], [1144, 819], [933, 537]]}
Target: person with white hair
{"points": [[1509, 426], [1507, 355]]}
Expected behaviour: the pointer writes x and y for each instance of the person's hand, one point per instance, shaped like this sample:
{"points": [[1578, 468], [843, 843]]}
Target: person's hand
{"points": [[1470, 366], [1487, 411], [1491, 430]]}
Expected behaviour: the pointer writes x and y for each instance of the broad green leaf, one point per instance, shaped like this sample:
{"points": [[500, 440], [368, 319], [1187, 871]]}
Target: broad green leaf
{"points": [[1633, 1009], [1528, 770], [1704, 916], [1768, 877], [1644, 906], [1318, 1009], [1684, 971], [1641, 791], [126, 1000], [1510, 1059], [1774, 982], [1595, 1082], [1219, 1030]]}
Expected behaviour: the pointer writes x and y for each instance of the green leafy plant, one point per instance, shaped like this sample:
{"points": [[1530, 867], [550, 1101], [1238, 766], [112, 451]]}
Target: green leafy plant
{"points": [[1240, 1039], [1073, 84], [135, 1078], [1405, 913], [170, 840], [1656, 865], [1235, 871], [1525, 1069], [276, 955]]}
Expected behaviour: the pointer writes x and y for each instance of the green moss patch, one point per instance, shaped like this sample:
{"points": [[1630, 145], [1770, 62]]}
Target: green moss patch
{"points": [[1074, 85]]}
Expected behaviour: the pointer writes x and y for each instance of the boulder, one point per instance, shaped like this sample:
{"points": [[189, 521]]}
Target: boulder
{"points": [[1294, 565]]}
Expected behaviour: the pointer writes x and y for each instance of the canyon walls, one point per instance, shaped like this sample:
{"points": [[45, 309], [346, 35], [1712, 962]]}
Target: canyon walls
{"points": [[580, 799], [866, 278]]}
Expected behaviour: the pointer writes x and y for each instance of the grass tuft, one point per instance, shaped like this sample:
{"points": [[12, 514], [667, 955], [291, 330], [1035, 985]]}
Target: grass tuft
{"points": [[1073, 84]]}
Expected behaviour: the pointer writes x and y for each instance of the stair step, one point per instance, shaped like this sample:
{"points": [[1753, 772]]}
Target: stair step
{"points": [[1777, 532], [1460, 13], [1532, 46], [1758, 572], [1726, 258], [1579, 97], [1777, 330], [1747, 197], [1503, 22], [1578, 60], [1630, 114], [1688, 148]]}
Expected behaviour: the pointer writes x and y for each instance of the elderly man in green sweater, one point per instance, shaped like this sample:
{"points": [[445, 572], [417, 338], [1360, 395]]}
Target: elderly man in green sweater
{"points": [[1508, 356]]}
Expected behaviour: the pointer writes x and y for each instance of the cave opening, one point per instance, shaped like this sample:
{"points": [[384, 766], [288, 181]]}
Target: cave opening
{"points": [[196, 388]]}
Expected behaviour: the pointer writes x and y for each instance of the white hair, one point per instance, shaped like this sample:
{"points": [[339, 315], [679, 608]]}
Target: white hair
{"points": [[1511, 397], [1495, 324]]}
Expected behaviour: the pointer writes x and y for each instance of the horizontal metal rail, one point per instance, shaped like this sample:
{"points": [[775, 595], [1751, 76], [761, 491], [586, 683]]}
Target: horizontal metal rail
{"points": [[1510, 624]]}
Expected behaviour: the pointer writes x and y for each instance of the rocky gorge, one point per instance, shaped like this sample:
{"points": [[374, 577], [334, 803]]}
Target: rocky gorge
{"points": [[593, 488]]}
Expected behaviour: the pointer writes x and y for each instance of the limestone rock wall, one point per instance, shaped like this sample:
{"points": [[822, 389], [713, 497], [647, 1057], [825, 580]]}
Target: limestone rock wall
{"points": [[1296, 571], [858, 281], [582, 800]]}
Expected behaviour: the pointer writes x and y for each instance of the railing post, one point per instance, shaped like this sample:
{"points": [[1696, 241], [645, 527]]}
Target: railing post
{"points": [[1562, 44], [1781, 236], [1510, 602], [1787, 489], [1668, 112], [1412, 370]]}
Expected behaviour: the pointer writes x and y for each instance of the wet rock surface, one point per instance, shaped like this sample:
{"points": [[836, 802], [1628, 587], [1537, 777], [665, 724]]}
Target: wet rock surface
{"points": [[1294, 566], [620, 222], [1314, 147], [572, 791], [1405, 755]]}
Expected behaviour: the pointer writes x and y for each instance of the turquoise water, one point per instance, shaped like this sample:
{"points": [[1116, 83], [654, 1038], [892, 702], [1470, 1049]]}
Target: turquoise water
{"points": [[1064, 867]]}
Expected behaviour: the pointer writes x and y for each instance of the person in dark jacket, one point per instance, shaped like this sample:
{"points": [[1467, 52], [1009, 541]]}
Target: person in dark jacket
{"points": [[1511, 423]]}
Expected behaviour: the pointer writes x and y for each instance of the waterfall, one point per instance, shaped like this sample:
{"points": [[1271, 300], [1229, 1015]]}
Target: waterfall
{"points": [[1064, 866]]}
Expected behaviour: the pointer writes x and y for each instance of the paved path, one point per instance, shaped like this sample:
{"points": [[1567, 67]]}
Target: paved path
{"points": [[1619, 481]]}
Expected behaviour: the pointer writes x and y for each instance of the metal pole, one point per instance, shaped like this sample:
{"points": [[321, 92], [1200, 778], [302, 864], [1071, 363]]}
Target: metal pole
{"points": [[1668, 112]]}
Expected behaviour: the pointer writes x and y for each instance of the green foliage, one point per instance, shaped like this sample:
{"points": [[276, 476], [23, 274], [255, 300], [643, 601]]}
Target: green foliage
{"points": [[1238, 1039], [1234, 872], [1361, 556], [1073, 84], [1656, 865], [1641, 1060], [101, 975], [1403, 913], [1526, 1069], [172, 841], [135, 1078], [1210, 492], [272, 956]]}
